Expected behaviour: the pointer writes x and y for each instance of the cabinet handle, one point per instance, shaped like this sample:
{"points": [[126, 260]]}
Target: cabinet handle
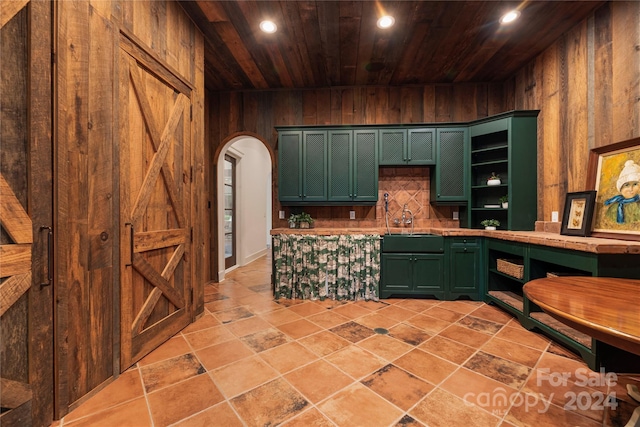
{"points": [[49, 281], [130, 244], [465, 249]]}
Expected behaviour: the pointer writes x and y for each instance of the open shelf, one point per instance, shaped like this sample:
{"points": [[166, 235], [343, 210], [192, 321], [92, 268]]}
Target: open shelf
{"points": [[509, 298], [507, 147]]}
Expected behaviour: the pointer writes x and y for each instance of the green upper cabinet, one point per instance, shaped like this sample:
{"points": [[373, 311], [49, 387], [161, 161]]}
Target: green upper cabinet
{"points": [[290, 166], [412, 146], [353, 165], [506, 145], [302, 166], [365, 160], [450, 184], [393, 143]]}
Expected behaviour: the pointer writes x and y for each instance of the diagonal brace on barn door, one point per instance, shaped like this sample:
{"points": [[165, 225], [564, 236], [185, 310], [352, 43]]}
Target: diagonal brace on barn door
{"points": [[156, 293], [156, 279], [13, 217], [160, 143]]}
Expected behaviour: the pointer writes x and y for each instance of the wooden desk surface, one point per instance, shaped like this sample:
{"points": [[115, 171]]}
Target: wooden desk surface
{"points": [[605, 308]]}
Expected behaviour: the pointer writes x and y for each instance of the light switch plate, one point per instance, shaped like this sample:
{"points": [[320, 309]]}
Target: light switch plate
{"points": [[281, 214], [352, 214]]}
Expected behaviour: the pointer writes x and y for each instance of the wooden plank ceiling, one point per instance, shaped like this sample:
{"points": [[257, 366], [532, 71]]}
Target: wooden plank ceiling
{"points": [[323, 44]]}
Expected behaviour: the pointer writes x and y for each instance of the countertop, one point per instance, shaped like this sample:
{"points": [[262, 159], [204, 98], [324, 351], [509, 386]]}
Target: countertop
{"points": [[585, 244]]}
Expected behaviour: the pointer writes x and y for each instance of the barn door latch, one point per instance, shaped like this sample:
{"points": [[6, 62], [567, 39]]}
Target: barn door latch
{"points": [[49, 274]]}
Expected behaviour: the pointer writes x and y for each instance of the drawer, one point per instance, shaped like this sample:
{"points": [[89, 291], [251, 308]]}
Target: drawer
{"points": [[412, 243]]}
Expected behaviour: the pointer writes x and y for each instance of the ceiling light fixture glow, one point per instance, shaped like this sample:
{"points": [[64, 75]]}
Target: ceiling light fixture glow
{"points": [[510, 17], [386, 21], [268, 27]]}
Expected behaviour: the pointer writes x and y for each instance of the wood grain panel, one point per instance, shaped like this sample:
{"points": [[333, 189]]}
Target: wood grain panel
{"points": [[603, 77], [15, 259], [9, 9], [625, 37], [13, 217], [12, 289]]}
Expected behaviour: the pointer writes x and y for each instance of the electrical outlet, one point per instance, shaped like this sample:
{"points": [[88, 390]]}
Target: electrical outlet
{"points": [[456, 215], [281, 214], [554, 216], [352, 214]]}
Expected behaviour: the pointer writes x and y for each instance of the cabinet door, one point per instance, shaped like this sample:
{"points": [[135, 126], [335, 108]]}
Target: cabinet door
{"points": [[428, 274], [340, 154], [397, 274], [289, 166], [421, 146], [314, 166], [393, 147], [452, 170], [365, 165], [464, 271]]}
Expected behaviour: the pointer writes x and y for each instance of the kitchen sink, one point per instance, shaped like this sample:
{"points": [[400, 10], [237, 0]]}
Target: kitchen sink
{"points": [[416, 242]]}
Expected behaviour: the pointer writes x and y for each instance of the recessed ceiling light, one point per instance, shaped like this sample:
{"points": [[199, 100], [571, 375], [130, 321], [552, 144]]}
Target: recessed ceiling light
{"points": [[386, 21], [509, 17], [268, 27]]}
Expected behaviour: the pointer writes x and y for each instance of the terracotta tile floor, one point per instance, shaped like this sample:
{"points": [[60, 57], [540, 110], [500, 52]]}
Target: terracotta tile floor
{"points": [[250, 361]]}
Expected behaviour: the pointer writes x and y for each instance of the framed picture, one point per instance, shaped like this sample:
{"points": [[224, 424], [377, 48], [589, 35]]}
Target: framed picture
{"points": [[578, 213], [614, 172]]}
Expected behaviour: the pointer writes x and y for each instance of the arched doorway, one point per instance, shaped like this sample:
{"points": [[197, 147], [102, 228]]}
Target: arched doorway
{"points": [[244, 202]]}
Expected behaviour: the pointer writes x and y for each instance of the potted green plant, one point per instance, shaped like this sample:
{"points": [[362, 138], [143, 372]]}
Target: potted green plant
{"points": [[305, 220], [490, 224], [504, 200], [494, 179], [293, 221]]}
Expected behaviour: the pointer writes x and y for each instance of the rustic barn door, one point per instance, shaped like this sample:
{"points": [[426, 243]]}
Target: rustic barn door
{"points": [[155, 184], [26, 294]]}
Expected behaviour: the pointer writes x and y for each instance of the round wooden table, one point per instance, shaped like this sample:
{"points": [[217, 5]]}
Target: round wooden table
{"points": [[605, 308]]}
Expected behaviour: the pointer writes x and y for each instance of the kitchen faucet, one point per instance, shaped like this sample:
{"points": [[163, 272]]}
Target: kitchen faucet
{"points": [[407, 217]]}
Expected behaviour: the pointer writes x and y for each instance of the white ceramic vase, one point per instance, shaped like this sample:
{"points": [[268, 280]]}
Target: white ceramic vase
{"points": [[493, 182], [489, 227]]}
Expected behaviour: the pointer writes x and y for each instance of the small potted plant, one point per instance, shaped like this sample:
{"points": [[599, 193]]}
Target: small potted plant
{"points": [[504, 200], [305, 220], [490, 224], [293, 221], [494, 179]]}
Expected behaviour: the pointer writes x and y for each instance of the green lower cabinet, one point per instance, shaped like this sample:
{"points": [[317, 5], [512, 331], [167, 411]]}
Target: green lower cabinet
{"points": [[464, 278], [412, 274]]}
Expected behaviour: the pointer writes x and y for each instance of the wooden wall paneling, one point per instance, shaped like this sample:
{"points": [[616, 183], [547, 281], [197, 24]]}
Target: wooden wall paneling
{"points": [[465, 100], [250, 109], [551, 169], [346, 107], [575, 109], [602, 77], [200, 267], [336, 106], [626, 63], [395, 105], [411, 105], [101, 213], [323, 110], [363, 107], [444, 103], [496, 99], [309, 107], [429, 104]]}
